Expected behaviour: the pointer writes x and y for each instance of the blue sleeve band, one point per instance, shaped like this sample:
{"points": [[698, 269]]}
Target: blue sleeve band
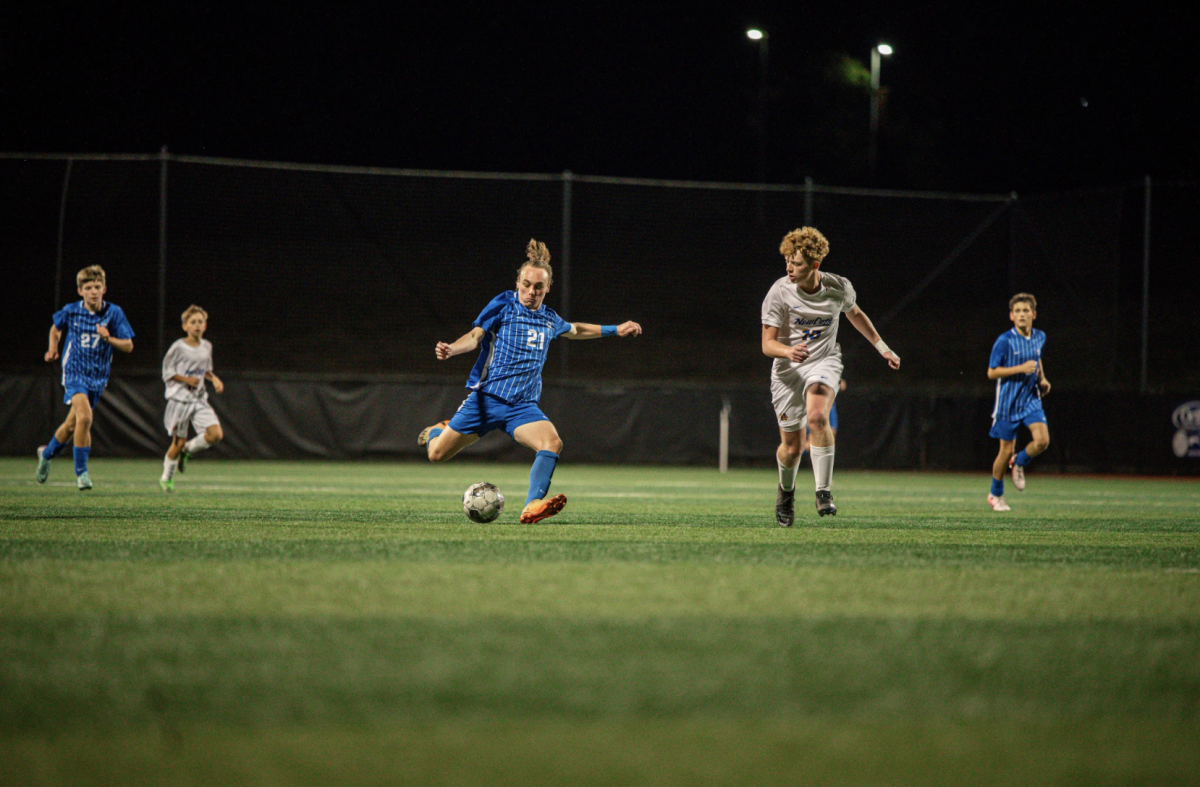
{"points": [[608, 330]]}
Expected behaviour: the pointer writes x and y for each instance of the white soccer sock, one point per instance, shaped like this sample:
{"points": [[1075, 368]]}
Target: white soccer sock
{"points": [[822, 461], [169, 466], [196, 444], [787, 475]]}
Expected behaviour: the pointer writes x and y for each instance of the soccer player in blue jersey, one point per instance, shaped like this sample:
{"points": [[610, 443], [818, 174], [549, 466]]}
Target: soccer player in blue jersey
{"points": [[1020, 374], [513, 335], [93, 327]]}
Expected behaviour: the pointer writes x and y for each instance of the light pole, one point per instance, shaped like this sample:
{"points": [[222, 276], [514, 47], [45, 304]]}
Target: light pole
{"points": [[761, 38], [873, 143]]}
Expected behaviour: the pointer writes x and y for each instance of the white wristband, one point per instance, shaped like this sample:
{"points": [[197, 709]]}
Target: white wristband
{"points": [[881, 345]]}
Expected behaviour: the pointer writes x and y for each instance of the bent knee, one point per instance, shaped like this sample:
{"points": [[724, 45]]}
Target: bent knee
{"points": [[817, 423], [1041, 445], [554, 446], [213, 435]]}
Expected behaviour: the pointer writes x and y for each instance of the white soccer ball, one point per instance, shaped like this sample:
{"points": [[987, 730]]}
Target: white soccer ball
{"points": [[482, 502]]}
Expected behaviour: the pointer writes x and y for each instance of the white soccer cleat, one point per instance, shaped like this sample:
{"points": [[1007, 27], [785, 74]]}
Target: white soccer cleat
{"points": [[1018, 474], [997, 503]]}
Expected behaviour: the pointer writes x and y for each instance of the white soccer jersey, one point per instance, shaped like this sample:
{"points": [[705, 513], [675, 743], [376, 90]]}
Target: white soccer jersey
{"points": [[807, 317], [187, 361]]}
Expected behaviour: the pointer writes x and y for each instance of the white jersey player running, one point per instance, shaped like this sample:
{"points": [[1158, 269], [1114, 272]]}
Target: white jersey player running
{"points": [[800, 318], [186, 367]]}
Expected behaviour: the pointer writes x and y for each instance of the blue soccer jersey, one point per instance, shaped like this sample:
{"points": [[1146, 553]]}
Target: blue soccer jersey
{"points": [[514, 348], [86, 356], [1018, 395]]}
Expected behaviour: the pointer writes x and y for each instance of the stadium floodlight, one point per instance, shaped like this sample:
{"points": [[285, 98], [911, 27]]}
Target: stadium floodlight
{"points": [[873, 143], [760, 112]]}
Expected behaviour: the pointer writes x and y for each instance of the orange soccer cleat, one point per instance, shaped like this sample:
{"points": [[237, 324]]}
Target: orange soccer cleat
{"points": [[543, 509], [423, 437]]}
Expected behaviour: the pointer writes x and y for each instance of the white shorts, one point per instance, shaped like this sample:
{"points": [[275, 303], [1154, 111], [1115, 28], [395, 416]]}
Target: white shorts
{"points": [[180, 414], [788, 396]]}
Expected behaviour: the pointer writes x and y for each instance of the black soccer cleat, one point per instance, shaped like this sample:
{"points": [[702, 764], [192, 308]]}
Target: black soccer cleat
{"points": [[825, 503], [785, 507]]}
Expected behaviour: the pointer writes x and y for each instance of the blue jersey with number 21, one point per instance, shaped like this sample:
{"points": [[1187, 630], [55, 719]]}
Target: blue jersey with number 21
{"points": [[513, 350]]}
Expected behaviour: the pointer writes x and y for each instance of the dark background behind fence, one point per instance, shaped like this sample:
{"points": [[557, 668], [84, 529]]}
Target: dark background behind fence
{"points": [[356, 273]]}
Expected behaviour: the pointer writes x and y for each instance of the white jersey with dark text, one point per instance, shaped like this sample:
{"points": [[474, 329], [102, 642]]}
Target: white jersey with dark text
{"points": [[187, 361], [807, 317]]}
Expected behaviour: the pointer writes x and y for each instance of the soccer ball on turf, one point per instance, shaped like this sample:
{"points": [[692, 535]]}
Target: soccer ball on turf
{"points": [[482, 502]]}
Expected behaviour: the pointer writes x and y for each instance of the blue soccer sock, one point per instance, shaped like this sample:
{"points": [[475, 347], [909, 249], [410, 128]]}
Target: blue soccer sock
{"points": [[81, 459], [52, 448], [540, 474], [1022, 458], [997, 487]]}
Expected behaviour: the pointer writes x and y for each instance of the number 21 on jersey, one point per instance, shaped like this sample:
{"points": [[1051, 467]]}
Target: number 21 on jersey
{"points": [[536, 340]]}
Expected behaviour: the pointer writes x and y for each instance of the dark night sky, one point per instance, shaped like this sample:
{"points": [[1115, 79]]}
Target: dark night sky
{"points": [[980, 98]]}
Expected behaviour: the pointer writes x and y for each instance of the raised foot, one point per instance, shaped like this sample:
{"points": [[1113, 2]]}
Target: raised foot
{"points": [[423, 437], [1018, 474]]}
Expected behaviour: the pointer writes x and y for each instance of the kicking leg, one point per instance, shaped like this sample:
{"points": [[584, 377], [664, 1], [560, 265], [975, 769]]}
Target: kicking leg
{"points": [[443, 443], [542, 437]]}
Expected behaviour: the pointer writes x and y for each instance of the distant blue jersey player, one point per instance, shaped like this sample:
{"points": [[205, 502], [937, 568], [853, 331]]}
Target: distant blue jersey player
{"points": [[93, 328], [513, 335], [1020, 374]]}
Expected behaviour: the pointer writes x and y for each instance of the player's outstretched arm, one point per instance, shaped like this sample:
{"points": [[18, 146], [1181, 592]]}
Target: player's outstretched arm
{"points": [[55, 337], [463, 344], [587, 330], [860, 320]]}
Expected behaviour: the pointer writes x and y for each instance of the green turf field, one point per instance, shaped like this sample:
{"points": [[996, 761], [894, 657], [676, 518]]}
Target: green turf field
{"points": [[318, 623]]}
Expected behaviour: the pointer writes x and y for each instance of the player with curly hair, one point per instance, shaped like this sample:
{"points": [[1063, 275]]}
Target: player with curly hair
{"points": [[513, 335], [799, 330]]}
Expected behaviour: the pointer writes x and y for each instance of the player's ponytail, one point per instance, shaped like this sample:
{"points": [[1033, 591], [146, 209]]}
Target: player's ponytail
{"points": [[537, 256]]}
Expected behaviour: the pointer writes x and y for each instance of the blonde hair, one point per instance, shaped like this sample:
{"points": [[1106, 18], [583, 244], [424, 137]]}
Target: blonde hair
{"points": [[1022, 296], [90, 273], [537, 256], [193, 309], [808, 241]]}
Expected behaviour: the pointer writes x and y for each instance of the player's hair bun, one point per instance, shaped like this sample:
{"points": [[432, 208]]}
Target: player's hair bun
{"points": [[536, 252]]}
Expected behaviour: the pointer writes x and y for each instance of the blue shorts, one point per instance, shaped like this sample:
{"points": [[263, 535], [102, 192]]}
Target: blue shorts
{"points": [[480, 413], [75, 388], [1007, 430]]}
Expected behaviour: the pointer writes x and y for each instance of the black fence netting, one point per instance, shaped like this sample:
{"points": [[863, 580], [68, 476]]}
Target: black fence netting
{"points": [[309, 270]]}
